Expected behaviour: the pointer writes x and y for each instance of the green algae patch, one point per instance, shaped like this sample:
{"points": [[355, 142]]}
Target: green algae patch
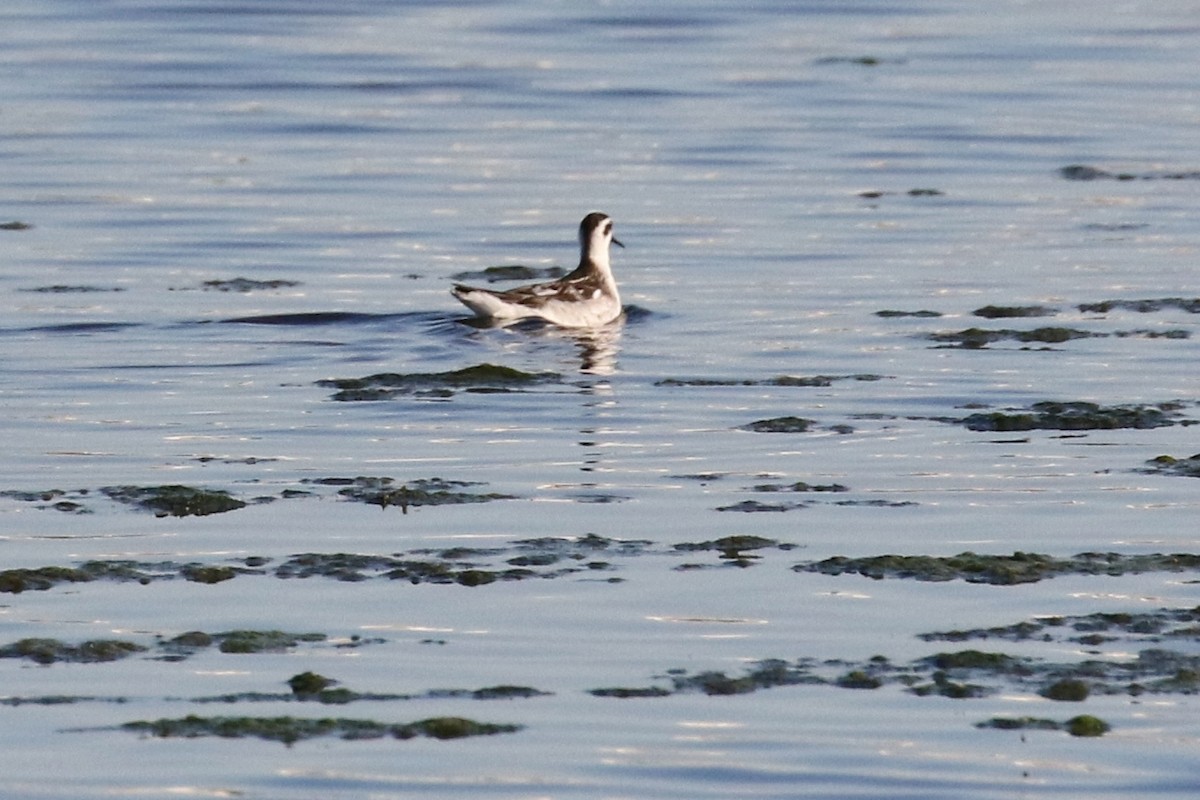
{"points": [[1001, 570], [181, 501], [175, 500], [978, 338], [1020, 724], [184, 645], [733, 548], [1188, 467], [942, 686], [859, 679], [1084, 725], [861, 61], [1069, 690], [799, 486], [312, 687], [1150, 306], [780, 425], [306, 684], [246, 641], [511, 272], [353, 567], [483, 378], [499, 692], [49, 651], [975, 660], [57, 700], [1087, 725], [60, 288], [294, 729], [246, 285], [1089, 629], [1086, 172], [621, 692], [56, 499], [875, 194], [452, 728], [779, 380], [1005, 570], [384, 492], [1075, 416], [199, 573], [765, 674], [1004, 312], [15, 581], [755, 507]]}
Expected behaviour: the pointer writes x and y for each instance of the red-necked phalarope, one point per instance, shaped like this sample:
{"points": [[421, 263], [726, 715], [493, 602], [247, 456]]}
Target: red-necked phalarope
{"points": [[584, 298]]}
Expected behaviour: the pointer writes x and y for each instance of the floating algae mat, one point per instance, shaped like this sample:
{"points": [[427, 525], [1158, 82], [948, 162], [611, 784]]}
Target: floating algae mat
{"points": [[186, 501], [294, 729], [585, 558], [1076, 416], [1004, 570], [979, 338], [481, 378]]}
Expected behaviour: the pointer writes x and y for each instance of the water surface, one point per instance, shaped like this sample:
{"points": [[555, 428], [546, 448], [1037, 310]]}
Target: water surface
{"points": [[781, 173]]}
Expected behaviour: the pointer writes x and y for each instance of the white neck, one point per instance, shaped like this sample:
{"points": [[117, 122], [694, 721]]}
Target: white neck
{"points": [[593, 255]]}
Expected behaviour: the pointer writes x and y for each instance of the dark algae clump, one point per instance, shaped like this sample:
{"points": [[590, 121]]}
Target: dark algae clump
{"points": [[1001, 570], [1068, 690], [1150, 306], [733, 549], [511, 272], [49, 651], [1170, 465], [1075, 416], [294, 729], [974, 660], [1085, 172], [859, 679], [488, 378], [245, 285], [1087, 725], [244, 641], [1002, 312], [799, 486], [384, 492], [779, 380], [1084, 725], [15, 581], [977, 338], [182, 501], [199, 573], [780, 425], [175, 500]]}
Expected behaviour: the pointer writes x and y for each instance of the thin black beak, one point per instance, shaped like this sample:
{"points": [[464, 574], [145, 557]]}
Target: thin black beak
{"points": [[617, 242]]}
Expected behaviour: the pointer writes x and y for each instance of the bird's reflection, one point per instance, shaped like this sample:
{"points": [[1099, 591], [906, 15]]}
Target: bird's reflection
{"points": [[599, 348], [597, 352]]}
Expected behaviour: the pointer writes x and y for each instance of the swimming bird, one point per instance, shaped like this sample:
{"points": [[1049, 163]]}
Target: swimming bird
{"points": [[584, 298]]}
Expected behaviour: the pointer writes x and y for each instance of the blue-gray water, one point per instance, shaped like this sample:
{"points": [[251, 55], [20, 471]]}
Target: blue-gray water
{"points": [[780, 172]]}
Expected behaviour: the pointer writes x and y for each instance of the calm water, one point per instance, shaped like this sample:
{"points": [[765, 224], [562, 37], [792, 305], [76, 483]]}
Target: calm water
{"points": [[760, 161]]}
